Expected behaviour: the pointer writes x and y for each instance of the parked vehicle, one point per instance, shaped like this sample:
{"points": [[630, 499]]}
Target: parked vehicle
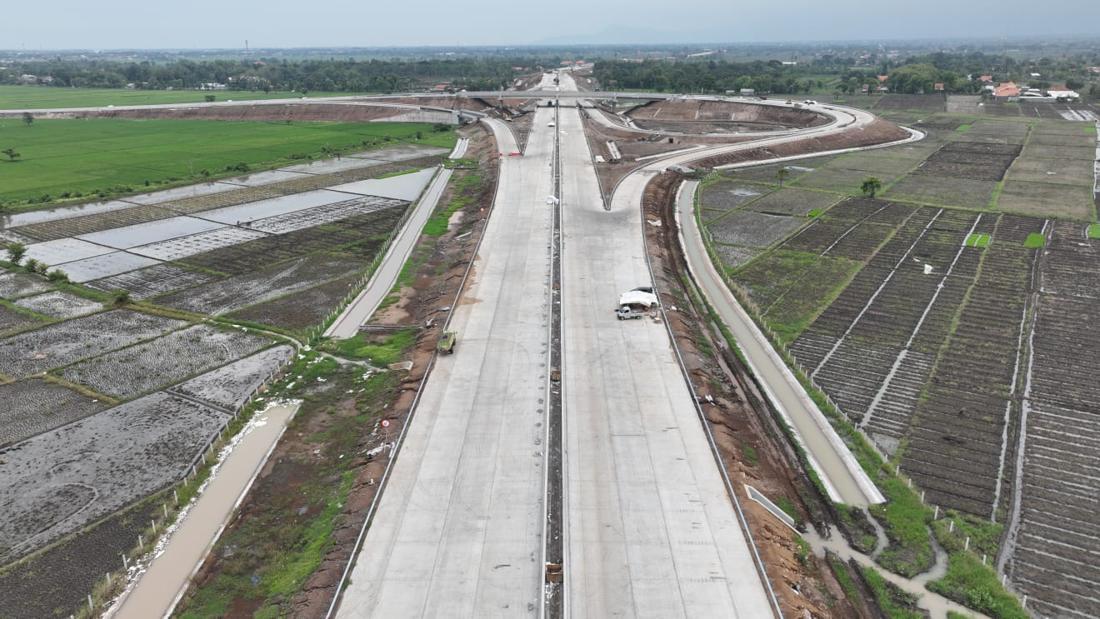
{"points": [[446, 343], [625, 312]]}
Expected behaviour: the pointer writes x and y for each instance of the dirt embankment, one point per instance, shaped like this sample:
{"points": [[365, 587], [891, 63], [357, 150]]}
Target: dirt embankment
{"points": [[739, 115], [753, 447], [878, 132]]}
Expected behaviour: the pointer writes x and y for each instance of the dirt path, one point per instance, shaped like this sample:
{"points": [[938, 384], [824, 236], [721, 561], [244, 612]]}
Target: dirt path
{"points": [[156, 590]]}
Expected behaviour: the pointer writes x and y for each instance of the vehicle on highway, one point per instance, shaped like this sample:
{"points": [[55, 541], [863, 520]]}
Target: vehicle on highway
{"points": [[635, 303], [810, 102], [446, 344], [551, 124], [625, 312]]}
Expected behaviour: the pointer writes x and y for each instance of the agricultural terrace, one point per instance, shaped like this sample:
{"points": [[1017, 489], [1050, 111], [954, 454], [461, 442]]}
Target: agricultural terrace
{"points": [[36, 97], [951, 322], [62, 159], [162, 315]]}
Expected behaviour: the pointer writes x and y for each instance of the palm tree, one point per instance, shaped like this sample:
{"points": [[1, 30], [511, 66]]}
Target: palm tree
{"points": [[782, 174], [870, 186]]}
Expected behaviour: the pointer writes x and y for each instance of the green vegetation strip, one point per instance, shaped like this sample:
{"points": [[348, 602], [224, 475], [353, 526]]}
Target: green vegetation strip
{"points": [[80, 159], [1094, 231], [978, 239], [466, 190]]}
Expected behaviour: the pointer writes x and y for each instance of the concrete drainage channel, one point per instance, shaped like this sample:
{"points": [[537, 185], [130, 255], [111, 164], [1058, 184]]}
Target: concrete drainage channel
{"points": [[554, 551]]}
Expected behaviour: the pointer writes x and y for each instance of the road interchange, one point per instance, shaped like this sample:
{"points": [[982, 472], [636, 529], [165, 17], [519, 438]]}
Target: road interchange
{"points": [[650, 526]]}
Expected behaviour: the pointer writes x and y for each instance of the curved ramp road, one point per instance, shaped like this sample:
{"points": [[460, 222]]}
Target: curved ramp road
{"points": [[458, 530], [650, 528]]}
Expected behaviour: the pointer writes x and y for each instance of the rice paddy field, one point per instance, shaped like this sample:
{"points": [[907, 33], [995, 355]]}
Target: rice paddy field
{"points": [[67, 158], [38, 97], [181, 305], [952, 319]]}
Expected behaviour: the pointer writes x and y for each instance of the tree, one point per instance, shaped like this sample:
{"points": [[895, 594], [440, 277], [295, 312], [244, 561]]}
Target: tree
{"points": [[28, 118], [16, 251], [10, 152], [121, 297], [1074, 84], [31, 266], [781, 174], [57, 275], [210, 98], [870, 186]]}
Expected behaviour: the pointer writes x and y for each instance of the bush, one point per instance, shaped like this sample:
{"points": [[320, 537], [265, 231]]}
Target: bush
{"points": [[976, 586]]}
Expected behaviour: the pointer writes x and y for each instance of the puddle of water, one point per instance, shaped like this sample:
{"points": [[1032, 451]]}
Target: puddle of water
{"points": [[64, 250], [273, 206], [105, 266], [64, 212], [150, 232], [404, 187]]}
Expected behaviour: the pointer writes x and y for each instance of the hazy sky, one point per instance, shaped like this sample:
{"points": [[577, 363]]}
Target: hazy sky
{"points": [[113, 24]]}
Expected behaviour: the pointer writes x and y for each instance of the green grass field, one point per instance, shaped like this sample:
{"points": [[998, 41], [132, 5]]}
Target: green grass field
{"points": [[38, 97], [108, 157]]}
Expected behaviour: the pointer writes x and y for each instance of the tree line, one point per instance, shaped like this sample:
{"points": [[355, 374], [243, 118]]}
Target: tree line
{"points": [[259, 74]]}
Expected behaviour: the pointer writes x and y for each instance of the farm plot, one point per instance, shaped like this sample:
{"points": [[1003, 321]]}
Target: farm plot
{"points": [[1060, 171], [300, 310], [752, 229], [12, 320], [74, 566], [767, 173], [287, 277], [15, 285], [230, 386], [793, 201], [152, 281], [852, 229], [34, 406], [107, 265], [66, 342], [1046, 199], [789, 288], [879, 162], [87, 224], [64, 250], [943, 191], [924, 103], [970, 160], [1053, 554], [727, 195], [840, 180], [361, 235], [148, 366], [150, 232], [60, 481], [956, 449], [329, 213], [176, 249], [59, 305], [192, 204], [851, 349]]}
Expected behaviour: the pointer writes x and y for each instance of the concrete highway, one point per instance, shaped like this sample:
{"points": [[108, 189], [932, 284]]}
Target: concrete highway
{"points": [[650, 528], [359, 311], [458, 531]]}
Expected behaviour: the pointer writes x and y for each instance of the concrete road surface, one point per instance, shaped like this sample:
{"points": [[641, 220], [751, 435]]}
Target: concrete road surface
{"points": [[650, 528], [160, 587], [459, 529], [843, 477], [359, 311]]}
